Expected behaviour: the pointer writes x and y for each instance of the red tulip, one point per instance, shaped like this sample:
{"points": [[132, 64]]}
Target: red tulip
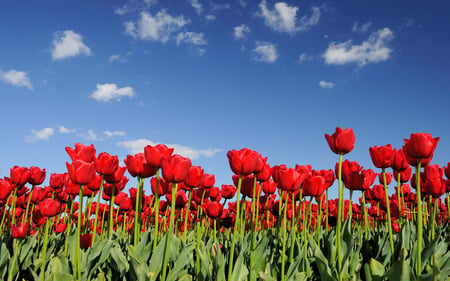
{"points": [[228, 191], [388, 178], [265, 173], [447, 170], [369, 178], [314, 186], [70, 187], [153, 154], [243, 162], [208, 180], [399, 162], [116, 177], [5, 189], [96, 183], [342, 141], [37, 176], [194, 177], [60, 227], [175, 168], [57, 181], [213, 209], [49, 207], [269, 187], [378, 192], [162, 187], [215, 194], [328, 176], [288, 179], [138, 167], [85, 240], [19, 231], [105, 164], [419, 146], [180, 199], [81, 172], [126, 204], [434, 184], [382, 156], [19, 175], [85, 153], [405, 175]]}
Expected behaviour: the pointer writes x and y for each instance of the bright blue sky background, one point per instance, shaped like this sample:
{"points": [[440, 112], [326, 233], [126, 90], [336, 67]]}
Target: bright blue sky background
{"points": [[207, 77]]}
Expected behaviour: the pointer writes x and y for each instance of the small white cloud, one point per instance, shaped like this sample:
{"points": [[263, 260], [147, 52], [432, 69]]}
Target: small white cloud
{"points": [[362, 28], [64, 130], [133, 6], [37, 135], [68, 44], [137, 146], [16, 78], [241, 32], [197, 6], [210, 17], [90, 136], [160, 27], [304, 57], [118, 58], [191, 38], [107, 92], [326, 85], [283, 18], [265, 52], [374, 49], [110, 134]]}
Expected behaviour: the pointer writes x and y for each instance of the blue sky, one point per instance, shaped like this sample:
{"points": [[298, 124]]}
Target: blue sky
{"points": [[208, 77]]}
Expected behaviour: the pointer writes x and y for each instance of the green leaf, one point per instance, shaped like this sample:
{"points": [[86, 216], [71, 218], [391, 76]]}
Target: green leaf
{"points": [[157, 259], [325, 271], [240, 271], [377, 271], [119, 260], [182, 260], [400, 270]]}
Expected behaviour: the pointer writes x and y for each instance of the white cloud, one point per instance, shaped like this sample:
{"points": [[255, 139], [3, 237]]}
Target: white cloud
{"points": [[304, 57], [191, 38], [107, 92], [16, 78], [133, 6], [362, 28], [64, 130], [68, 44], [110, 134], [197, 6], [210, 17], [374, 49], [90, 136], [326, 85], [265, 52], [117, 58], [283, 18], [160, 27], [241, 31], [43, 134], [137, 146]]}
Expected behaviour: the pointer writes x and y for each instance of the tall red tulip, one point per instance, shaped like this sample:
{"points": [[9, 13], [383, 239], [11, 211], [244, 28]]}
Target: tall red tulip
{"points": [[194, 177], [243, 162], [19, 175], [342, 141], [57, 180], [81, 172], [287, 179], [314, 186], [399, 162], [153, 154], [49, 207], [37, 175], [19, 231], [137, 166], [85, 153], [420, 146], [5, 189], [382, 156], [105, 164], [175, 168], [208, 180]]}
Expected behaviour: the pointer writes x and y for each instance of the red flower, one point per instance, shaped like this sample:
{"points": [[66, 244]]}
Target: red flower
{"points": [[342, 141], [49, 207], [126, 204], [194, 177], [180, 199], [213, 209], [269, 187], [348, 167], [405, 175], [95, 184], [81, 172], [60, 227], [19, 175], [243, 162], [37, 176], [287, 179], [388, 178], [138, 167], [153, 154], [85, 240], [105, 164], [215, 194], [265, 173], [447, 170], [57, 181], [5, 189], [382, 156], [175, 168], [19, 231], [434, 184], [208, 180], [85, 153], [419, 146], [314, 186], [399, 162], [228, 191], [369, 178], [162, 187], [377, 192], [116, 177]]}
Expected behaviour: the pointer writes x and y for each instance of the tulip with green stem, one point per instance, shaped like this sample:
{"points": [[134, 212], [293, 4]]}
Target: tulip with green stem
{"points": [[283, 231], [137, 216], [236, 228], [419, 221], [170, 231], [388, 211], [339, 218], [96, 211], [155, 240], [77, 250]]}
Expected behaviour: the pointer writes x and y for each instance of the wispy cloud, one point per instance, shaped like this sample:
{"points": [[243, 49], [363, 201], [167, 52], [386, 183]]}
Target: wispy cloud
{"points": [[107, 92], [110, 134], [64, 130], [241, 31], [374, 49], [362, 28], [197, 6], [37, 135], [136, 146], [68, 44], [16, 78], [326, 85], [265, 52], [304, 57], [283, 18], [90, 136]]}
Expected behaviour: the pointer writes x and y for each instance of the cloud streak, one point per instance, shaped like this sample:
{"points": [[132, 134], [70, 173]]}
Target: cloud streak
{"points": [[16, 78], [107, 92]]}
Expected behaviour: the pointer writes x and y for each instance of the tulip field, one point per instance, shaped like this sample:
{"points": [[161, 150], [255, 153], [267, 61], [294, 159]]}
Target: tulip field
{"points": [[170, 221]]}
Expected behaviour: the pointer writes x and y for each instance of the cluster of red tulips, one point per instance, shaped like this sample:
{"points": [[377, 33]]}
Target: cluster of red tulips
{"points": [[186, 196]]}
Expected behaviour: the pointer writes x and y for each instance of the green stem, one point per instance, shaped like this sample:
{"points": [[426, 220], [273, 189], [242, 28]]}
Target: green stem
{"points": [[283, 253], [44, 250], [389, 224], [419, 221], [293, 230], [187, 214], [326, 212], [16, 247], [235, 230], [366, 219], [96, 212], [28, 204], [69, 229], [156, 210], [339, 220], [350, 212], [111, 211], [137, 213], [77, 252], [170, 232]]}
